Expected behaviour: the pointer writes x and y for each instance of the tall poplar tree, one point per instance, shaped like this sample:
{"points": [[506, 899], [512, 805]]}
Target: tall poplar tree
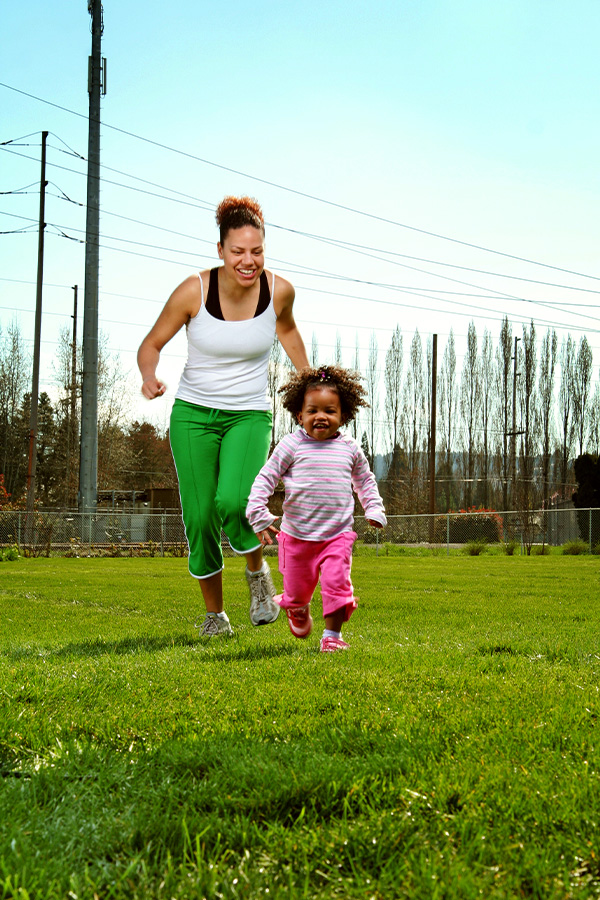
{"points": [[470, 411], [448, 404], [546, 381], [504, 384], [487, 405], [565, 410], [582, 379]]}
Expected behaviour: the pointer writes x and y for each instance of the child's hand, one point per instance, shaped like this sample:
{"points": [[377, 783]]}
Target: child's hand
{"points": [[264, 536], [374, 524]]}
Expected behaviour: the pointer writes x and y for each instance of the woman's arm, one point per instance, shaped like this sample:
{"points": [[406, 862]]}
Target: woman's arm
{"points": [[180, 307], [287, 330]]}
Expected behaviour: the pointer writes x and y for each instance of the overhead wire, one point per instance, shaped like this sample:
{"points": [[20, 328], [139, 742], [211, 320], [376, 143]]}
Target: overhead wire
{"points": [[296, 192], [364, 250], [311, 271]]}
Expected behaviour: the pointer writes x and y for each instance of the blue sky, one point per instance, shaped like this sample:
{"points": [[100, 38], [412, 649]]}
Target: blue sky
{"points": [[472, 121]]}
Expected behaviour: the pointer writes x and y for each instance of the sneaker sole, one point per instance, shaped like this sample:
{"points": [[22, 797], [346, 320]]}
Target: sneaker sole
{"points": [[266, 621]]}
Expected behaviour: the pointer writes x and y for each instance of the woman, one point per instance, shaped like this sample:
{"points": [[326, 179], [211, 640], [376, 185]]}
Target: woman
{"points": [[221, 421]]}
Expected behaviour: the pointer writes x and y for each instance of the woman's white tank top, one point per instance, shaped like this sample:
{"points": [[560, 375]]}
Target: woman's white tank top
{"points": [[227, 364]]}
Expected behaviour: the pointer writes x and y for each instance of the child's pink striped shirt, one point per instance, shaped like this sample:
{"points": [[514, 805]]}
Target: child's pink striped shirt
{"points": [[318, 477]]}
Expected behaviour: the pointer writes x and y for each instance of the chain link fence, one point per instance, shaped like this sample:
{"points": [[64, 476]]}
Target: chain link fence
{"points": [[117, 533]]}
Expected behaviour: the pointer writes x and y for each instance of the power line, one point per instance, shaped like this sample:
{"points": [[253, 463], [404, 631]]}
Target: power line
{"points": [[304, 194], [363, 250]]}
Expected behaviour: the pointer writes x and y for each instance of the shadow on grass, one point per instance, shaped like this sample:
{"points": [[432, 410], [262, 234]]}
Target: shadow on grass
{"points": [[226, 649]]}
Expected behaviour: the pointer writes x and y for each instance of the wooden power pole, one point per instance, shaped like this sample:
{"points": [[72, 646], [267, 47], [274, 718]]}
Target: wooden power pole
{"points": [[88, 465], [35, 381]]}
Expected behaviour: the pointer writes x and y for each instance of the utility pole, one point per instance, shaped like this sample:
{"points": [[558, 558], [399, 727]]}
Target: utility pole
{"points": [[35, 381], [432, 439], [88, 467]]}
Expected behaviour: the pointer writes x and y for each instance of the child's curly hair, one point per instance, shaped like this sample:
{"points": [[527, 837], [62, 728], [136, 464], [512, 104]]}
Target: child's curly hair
{"points": [[344, 381]]}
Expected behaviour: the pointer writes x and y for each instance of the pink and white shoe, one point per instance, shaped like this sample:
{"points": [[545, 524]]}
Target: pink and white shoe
{"points": [[299, 618], [331, 644], [300, 621]]}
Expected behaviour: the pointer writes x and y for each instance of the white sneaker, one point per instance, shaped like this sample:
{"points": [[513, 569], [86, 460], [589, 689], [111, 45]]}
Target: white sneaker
{"points": [[214, 626], [263, 609]]}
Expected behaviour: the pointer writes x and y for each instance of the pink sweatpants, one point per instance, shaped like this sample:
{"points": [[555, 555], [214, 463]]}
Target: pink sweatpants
{"points": [[301, 563]]}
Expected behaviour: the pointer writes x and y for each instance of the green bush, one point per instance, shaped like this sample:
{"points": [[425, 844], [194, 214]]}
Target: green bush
{"points": [[541, 550], [475, 548], [470, 525], [575, 548], [509, 547], [10, 554]]}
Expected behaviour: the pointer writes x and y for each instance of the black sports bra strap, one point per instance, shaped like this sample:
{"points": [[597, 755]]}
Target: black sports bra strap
{"points": [[213, 303], [264, 297]]}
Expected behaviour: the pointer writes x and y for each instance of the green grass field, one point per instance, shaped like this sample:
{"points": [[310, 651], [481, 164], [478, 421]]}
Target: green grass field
{"points": [[452, 753]]}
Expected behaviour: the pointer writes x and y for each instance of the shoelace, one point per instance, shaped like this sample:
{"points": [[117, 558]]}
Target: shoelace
{"points": [[209, 626], [261, 589]]}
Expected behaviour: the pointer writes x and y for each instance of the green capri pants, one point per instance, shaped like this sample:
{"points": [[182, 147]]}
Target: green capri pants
{"points": [[218, 454]]}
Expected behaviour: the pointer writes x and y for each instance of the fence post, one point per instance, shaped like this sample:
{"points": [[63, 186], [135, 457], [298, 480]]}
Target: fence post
{"points": [[447, 535], [590, 530], [163, 520]]}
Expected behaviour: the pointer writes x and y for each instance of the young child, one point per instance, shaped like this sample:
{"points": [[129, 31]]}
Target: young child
{"points": [[319, 467]]}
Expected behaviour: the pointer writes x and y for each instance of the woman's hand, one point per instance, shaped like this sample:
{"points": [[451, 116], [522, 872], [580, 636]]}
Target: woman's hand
{"points": [[374, 524], [264, 536], [152, 388]]}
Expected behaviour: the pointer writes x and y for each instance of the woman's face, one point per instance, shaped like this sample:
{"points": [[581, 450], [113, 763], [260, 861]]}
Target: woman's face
{"points": [[243, 254]]}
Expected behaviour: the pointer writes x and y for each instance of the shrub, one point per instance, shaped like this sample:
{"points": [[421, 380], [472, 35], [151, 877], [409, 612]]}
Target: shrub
{"points": [[10, 554], [575, 548], [475, 548], [596, 549], [509, 547], [470, 525], [541, 550]]}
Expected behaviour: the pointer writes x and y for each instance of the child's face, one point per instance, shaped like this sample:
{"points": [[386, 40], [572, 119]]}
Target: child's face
{"points": [[321, 414]]}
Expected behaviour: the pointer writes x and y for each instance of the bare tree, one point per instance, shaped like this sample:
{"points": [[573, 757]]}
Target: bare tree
{"points": [[66, 449], [413, 405], [415, 438], [594, 434], [546, 379], [113, 409], [470, 410], [504, 380], [393, 407], [582, 378], [529, 416], [427, 389], [355, 424], [337, 356], [487, 405], [447, 403], [15, 372], [372, 388], [314, 351], [274, 382], [393, 387], [565, 405]]}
